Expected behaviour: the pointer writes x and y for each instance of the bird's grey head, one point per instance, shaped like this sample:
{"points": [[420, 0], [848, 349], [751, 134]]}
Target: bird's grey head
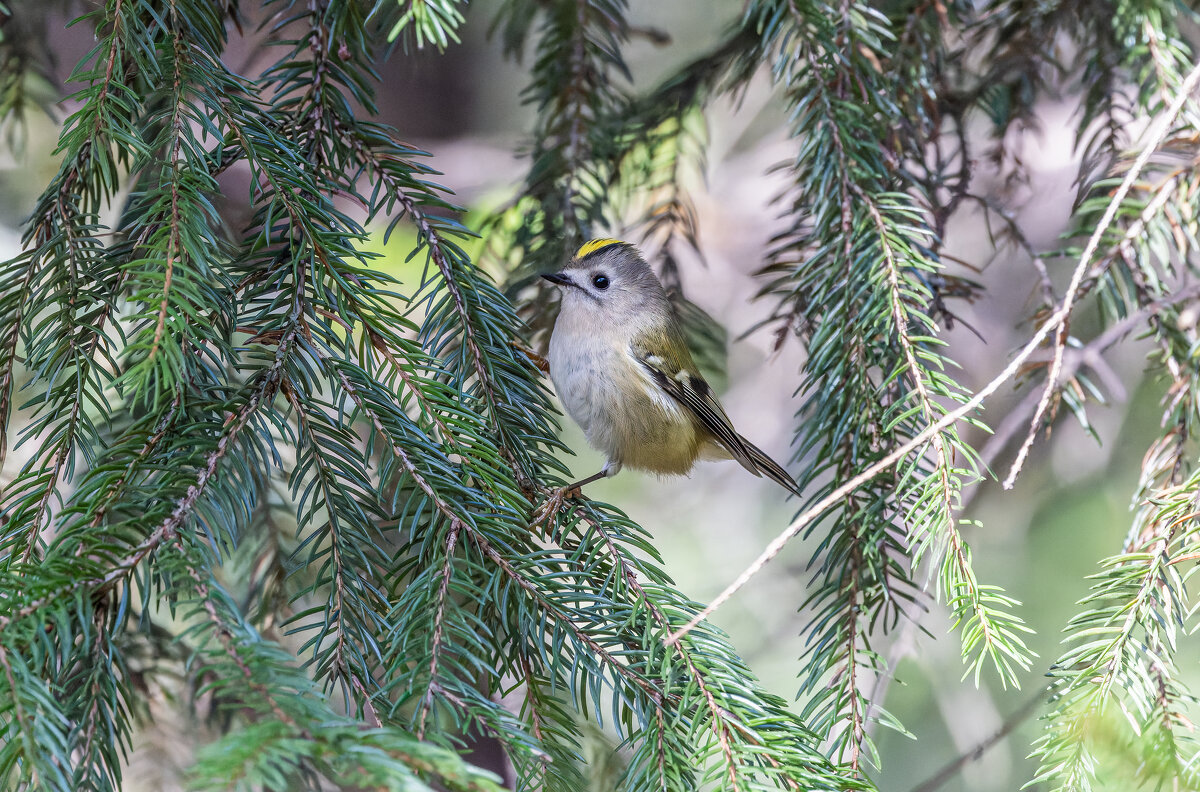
{"points": [[609, 278]]}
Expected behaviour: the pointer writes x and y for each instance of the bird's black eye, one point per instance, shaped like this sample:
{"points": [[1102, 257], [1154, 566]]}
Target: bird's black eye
{"points": [[600, 281]]}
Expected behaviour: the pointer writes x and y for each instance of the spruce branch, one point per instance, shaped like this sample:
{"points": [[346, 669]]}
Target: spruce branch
{"points": [[28, 735], [1123, 642], [224, 634], [465, 299], [451, 512], [439, 629], [94, 681], [174, 219], [63, 231], [720, 727], [809, 515], [1060, 316], [14, 306], [466, 317], [575, 91], [989, 631], [100, 506], [1087, 356], [269, 382], [609, 660], [738, 734], [60, 415], [353, 600]]}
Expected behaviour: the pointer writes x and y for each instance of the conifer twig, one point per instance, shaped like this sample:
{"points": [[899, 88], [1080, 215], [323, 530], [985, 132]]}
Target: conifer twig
{"points": [[1163, 125]]}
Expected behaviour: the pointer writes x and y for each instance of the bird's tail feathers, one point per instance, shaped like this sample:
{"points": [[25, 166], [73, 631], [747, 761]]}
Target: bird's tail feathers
{"points": [[758, 463]]}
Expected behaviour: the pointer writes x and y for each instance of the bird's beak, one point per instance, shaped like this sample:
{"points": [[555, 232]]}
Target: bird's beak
{"points": [[559, 279]]}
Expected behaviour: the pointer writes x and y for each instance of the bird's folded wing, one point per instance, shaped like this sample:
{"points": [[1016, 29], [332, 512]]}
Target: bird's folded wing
{"points": [[690, 390]]}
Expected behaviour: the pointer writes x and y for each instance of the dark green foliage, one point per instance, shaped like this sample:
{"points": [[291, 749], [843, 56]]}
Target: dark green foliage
{"points": [[258, 461]]}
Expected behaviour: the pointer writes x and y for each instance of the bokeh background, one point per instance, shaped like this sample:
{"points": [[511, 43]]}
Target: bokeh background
{"points": [[1039, 541]]}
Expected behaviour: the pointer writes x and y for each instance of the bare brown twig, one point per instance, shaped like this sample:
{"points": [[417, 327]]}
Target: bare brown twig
{"points": [[953, 767]]}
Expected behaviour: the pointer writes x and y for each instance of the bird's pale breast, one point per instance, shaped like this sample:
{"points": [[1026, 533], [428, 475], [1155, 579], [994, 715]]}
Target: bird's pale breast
{"points": [[622, 413]]}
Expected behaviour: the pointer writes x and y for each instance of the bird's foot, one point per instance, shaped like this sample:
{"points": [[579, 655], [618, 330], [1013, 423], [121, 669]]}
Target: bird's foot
{"points": [[537, 360], [554, 503]]}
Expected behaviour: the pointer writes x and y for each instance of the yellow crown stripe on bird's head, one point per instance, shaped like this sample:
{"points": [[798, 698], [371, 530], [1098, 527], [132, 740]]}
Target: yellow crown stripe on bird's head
{"points": [[594, 245]]}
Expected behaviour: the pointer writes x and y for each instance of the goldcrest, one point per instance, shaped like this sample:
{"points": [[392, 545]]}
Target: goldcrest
{"points": [[623, 371]]}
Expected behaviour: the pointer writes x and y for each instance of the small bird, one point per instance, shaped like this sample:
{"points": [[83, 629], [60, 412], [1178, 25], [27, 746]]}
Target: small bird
{"points": [[621, 366]]}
